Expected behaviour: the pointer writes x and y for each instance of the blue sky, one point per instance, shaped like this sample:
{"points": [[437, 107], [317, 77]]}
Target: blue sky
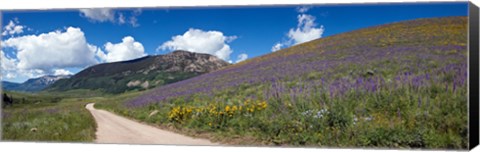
{"points": [[67, 41]]}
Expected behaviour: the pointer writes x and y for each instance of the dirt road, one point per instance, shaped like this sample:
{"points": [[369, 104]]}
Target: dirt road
{"points": [[112, 128]]}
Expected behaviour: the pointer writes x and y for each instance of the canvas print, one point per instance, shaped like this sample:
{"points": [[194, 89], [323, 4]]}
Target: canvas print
{"points": [[375, 75]]}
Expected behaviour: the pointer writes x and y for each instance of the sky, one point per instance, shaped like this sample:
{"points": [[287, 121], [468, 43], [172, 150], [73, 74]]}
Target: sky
{"points": [[56, 42]]}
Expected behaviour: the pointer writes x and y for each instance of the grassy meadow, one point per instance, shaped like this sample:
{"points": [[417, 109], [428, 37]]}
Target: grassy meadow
{"points": [[54, 116], [47, 118], [401, 85]]}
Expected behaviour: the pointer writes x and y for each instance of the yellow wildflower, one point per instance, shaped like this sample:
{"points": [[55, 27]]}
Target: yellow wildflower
{"points": [[264, 105], [227, 108]]}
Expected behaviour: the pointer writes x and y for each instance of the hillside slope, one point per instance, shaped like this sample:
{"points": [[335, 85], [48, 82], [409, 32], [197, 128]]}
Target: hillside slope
{"points": [[142, 73], [390, 51], [6, 85], [397, 85]]}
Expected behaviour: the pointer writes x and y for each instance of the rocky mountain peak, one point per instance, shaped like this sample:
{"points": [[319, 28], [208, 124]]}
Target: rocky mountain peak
{"points": [[145, 72], [186, 61]]}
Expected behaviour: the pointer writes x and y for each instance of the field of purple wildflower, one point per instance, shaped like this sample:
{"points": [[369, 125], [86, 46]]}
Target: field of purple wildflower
{"points": [[401, 85]]}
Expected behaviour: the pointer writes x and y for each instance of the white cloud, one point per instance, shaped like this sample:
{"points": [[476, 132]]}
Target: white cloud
{"points": [[8, 75], [110, 15], [241, 57], [8, 63], [8, 66], [58, 49], [34, 73], [126, 50], [13, 27], [121, 18], [306, 29], [277, 47], [196, 40], [133, 18], [62, 72], [10, 70], [133, 21], [303, 9], [52, 52], [98, 14]]}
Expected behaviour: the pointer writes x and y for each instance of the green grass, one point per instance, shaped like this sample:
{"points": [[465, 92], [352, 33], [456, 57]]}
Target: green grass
{"points": [[39, 117], [390, 118]]}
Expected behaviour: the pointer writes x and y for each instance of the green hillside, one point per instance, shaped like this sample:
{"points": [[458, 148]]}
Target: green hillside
{"points": [[398, 85]]}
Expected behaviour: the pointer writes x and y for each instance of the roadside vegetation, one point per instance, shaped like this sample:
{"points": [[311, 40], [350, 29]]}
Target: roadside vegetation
{"points": [[47, 118]]}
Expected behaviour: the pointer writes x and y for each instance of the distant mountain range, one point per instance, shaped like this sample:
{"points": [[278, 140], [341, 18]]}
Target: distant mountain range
{"points": [[33, 85], [142, 73]]}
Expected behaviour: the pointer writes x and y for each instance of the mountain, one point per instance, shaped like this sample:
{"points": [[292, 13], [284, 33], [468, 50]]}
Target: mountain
{"points": [[390, 52], [33, 85], [9, 85], [142, 73]]}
